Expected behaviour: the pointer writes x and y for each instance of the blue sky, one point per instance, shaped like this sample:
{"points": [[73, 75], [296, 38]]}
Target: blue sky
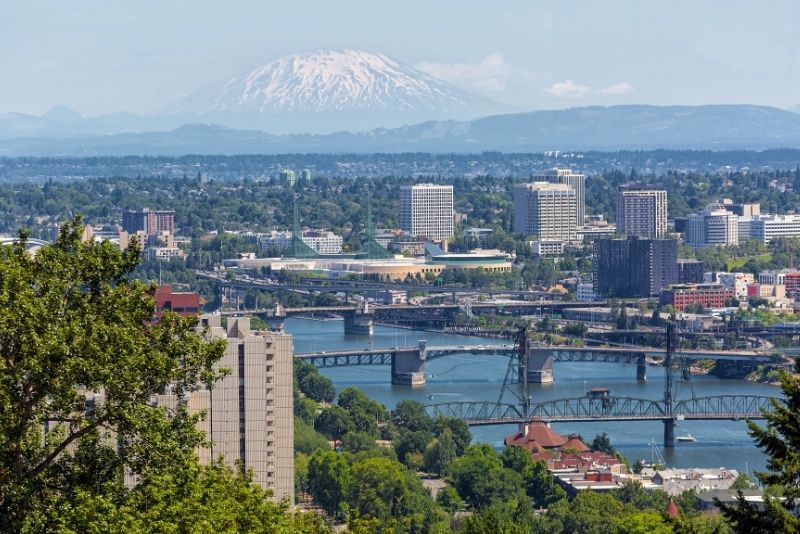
{"points": [[100, 56]]}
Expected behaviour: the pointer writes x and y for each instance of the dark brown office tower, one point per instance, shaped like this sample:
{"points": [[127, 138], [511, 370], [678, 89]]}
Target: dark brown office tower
{"points": [[634, 267]]}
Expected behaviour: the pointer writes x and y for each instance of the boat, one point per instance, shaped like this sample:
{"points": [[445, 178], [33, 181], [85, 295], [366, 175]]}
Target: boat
{"points": [[687, 438]]}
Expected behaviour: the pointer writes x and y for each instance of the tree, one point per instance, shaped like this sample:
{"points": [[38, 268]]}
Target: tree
{"points": [[781, 442], [83, 354], [440, 453], [448, 498], [411, 415], [334, 422], [515, 458], [459, 429], [356, 441], [742, 482], [407, 443], [541, 485], [602, 443], [318, 387], [328, 480]]}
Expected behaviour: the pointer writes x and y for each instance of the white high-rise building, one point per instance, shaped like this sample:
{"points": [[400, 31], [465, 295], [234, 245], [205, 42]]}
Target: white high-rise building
{"points": [[576, 180], [427, 210], [713, 228], [545, 210], [642, 211]]}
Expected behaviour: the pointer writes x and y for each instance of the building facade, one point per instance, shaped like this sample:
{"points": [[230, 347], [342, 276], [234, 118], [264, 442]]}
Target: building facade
{"points": [[427, 210], [707, 295], [690, 271], [634, 267], [642, 211], [322, 241], [576, 181], [715, 227], [547, 211], [250, 411], [151, 222]]}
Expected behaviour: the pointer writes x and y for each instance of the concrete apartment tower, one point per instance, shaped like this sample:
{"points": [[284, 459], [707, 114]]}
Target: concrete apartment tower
{"points": [[575, 180], [250, 412], [546, 210], [642, 211], [427, 210]]}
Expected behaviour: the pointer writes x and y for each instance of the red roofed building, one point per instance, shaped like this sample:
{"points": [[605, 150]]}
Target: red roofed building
{"points": [[672, 509], [536, 436], [185, 303]]}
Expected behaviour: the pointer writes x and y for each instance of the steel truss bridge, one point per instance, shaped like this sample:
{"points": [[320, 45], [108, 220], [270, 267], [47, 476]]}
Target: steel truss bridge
{"points": [[383, 355], [608, 408]]}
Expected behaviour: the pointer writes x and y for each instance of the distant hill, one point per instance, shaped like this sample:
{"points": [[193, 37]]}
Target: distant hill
{"points": [[588, 128]]}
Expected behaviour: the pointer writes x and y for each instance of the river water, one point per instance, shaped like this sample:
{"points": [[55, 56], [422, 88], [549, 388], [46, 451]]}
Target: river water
{"points": [[467, 377]]}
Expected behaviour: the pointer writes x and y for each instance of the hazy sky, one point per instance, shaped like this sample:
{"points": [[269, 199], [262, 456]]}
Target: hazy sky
{"points": [[100, 56]]}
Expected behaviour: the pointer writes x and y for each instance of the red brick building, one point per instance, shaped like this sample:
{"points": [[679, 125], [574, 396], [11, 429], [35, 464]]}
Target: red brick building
{"points": [[792, 282], [185, 303], [707, 295]]}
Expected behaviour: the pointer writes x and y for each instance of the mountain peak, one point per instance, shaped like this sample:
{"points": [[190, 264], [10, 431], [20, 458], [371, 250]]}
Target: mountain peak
{"points": [[341, 82]]}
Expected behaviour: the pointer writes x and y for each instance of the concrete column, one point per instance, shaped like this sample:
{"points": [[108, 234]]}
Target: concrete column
{"points": [[359, 321], [641, 368], [540, 365], [408, 366], [669, 433]]}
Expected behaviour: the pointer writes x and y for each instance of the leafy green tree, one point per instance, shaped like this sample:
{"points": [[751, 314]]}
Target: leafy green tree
{"points": [[449, 500], [411, 415], [742, 482], [541, 485], [480, 478], [642, 522], [384, 489], [440, 453], [459, 429], [357, 441], [588, 512], [318, 387], [334, 422], [407, 443], [515, 458], [306, 439], [781, 441], [82, 355], [328, 480]]}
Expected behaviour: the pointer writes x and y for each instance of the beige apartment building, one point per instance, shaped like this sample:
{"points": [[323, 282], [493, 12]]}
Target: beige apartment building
{"points": [[642, 211], [545, 210], [249, 413]]}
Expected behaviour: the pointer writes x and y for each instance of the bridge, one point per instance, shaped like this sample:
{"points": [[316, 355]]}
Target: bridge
{"points": [[599, 405], [359, 319], [408, 363]]}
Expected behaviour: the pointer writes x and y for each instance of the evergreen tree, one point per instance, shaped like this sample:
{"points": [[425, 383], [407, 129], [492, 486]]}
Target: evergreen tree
{"points": [[780, 440]]}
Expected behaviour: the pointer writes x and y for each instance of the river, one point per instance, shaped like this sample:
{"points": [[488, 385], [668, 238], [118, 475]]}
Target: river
{"points": [[467, 377]]}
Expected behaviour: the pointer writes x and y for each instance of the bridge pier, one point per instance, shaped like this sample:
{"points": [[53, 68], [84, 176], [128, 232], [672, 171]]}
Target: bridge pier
{"points": [[275, 318], [408, 366], [669, 433], [359, 321], [641, 368], [540, 365]]}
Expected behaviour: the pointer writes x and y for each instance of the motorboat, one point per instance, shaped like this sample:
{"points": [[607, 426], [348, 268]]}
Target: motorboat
{"points": [[687, 438]]}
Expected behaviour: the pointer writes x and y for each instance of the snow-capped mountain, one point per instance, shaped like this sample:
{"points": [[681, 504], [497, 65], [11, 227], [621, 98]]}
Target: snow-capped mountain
{"points": [[348, 86]]}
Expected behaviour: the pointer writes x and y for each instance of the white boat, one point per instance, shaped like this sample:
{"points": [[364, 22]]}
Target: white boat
{"points": [[688, 438]]}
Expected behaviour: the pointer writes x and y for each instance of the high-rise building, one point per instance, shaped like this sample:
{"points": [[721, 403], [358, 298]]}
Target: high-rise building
{"points": [[634, 267], [642, 211], [545, 210], [249, 412], [427, 210], [151, 222], [578, 183], [715, 227], [288, 177], [305, 176]]}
